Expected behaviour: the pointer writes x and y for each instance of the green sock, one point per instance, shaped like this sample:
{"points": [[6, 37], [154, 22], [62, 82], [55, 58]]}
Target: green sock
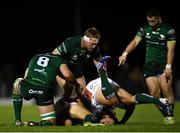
{"points": [[89, 118], [145, 98], [107, 89], [17, 102], [128, 113]]}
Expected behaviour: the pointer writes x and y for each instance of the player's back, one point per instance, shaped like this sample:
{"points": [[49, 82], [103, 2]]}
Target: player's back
{"points": [[43, 68]]}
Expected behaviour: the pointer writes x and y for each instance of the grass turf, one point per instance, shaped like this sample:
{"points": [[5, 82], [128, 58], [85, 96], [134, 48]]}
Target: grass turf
{"points": [[146, 118]]}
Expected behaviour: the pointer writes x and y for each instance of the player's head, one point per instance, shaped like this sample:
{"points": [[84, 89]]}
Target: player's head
{"points": [[91, 38], [107, 116], [107, 120], [153, 17]]}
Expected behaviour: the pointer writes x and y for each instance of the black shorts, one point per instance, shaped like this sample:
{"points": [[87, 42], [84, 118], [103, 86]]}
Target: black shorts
{"points": [[153, 69], [42, 94]]}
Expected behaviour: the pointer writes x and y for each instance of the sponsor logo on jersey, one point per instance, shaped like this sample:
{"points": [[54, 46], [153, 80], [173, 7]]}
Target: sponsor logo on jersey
{"points": [[154, 32], [162, 36], [31, 91], [74, 57], [148, 35], [42, 71]]}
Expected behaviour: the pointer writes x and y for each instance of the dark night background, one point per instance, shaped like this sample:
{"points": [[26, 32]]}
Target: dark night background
{"points": [[32, 27]]}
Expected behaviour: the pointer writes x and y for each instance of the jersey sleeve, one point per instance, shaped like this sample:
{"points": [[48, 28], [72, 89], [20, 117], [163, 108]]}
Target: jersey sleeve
{"points": [[141, 32], [64, 47], [171, 35]]}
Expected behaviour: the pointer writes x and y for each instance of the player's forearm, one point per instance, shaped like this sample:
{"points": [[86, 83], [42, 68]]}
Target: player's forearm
{"points": [[95, 62], [132, 46], [61, 82], [170, 54], [170, 58]]}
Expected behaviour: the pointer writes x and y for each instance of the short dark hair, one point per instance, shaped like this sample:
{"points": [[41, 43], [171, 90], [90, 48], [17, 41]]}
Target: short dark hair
{"points": [[153, 12], [92, 33]]}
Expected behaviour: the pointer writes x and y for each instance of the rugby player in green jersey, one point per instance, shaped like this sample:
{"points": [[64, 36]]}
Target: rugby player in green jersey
{"points": [[160, 41], [74, 50], [38, 83]]}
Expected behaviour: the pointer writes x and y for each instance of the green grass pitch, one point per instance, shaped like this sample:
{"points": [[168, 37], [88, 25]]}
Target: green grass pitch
{"points": [[146, 118]]}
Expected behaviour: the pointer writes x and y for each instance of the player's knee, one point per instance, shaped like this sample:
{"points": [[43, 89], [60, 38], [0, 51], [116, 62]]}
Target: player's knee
{"points": [[130, 100], [16, 85]]}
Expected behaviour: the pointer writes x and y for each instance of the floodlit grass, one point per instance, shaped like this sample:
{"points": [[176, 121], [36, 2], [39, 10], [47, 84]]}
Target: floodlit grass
{"points": [[146, 118]]}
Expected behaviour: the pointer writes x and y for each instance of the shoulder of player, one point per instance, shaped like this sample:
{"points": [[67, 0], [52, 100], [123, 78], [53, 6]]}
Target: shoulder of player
{"points": [[146, 27], [166, 26], [73, 39], [168, 29]]}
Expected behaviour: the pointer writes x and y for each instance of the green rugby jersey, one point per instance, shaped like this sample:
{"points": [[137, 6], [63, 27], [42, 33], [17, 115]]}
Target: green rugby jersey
{"points": [[71, 50], [156, 41], [43, 68]]}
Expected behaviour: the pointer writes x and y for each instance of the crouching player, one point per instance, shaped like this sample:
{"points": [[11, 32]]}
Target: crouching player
{"points": [[38, 83]]}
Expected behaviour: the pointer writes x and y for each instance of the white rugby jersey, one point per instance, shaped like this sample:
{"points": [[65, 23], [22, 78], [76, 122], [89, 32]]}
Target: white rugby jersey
{"points": [[90, 92]]}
